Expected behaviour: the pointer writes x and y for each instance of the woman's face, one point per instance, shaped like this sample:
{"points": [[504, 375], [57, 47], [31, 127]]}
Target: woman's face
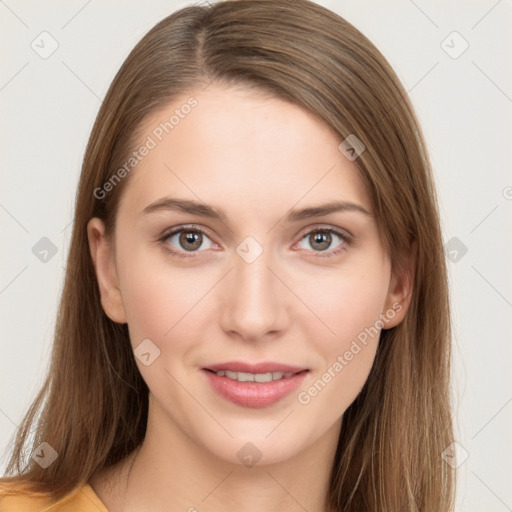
{"points": [[262, 280]]}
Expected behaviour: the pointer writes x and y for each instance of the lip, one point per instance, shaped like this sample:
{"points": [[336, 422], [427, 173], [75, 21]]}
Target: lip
{"points": [[254, 395], [264, 367]]}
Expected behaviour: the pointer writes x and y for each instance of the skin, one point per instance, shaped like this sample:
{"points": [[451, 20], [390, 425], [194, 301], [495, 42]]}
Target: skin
{"points": [[255, 157]]}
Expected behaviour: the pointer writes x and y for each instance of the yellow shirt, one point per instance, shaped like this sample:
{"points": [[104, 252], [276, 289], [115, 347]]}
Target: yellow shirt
{"points": [[82, 499]]}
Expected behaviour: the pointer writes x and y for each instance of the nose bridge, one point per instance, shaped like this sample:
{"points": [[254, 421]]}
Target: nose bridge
{"points": [[255, 305]]}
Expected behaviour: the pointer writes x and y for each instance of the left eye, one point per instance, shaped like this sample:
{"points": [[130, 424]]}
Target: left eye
{"points": [[321, 239]]}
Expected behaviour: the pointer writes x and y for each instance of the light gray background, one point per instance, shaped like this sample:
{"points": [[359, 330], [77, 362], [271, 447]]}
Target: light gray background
{"points": [[464, 104]]}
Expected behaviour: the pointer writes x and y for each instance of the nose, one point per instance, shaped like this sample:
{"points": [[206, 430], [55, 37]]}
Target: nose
{"points": [[255, 305]]}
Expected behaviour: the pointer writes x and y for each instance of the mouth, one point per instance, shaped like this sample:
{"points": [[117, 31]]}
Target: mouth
{"points": [[256, 385]]}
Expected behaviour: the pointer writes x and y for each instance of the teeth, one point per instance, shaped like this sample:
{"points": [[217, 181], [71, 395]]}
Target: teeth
{"points": [[254, 377]]}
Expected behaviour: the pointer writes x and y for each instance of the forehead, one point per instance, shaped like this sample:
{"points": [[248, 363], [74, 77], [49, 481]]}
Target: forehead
{"points": [[241, 150]]}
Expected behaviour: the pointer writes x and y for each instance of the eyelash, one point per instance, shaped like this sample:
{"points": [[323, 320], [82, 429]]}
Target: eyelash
{"points": [[347, 240]]}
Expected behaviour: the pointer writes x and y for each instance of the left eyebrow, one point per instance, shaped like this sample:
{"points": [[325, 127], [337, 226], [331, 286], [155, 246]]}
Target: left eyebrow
{"points": [[326, 209], [205, 210]]}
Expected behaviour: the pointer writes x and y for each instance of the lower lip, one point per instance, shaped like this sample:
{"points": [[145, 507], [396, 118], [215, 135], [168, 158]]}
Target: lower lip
{"points": [[254, 394]]}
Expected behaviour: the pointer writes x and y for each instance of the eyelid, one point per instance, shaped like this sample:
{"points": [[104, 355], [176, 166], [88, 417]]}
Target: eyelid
{"points": [[327, 227], [183, 227]]}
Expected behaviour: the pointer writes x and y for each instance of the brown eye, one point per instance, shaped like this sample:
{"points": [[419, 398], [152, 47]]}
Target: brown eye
{"points": [[321, 240], [187, 240], [190, 240]]}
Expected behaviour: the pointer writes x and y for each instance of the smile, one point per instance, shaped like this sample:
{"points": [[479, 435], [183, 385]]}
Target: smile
{"points": [[254, 390]]}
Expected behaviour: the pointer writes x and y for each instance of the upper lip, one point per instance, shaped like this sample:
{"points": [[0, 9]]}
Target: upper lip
{"points": [[264, 367]]}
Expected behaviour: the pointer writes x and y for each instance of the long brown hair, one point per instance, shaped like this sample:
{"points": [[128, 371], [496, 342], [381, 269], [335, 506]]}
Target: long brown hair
{"points": [[94, 403]]}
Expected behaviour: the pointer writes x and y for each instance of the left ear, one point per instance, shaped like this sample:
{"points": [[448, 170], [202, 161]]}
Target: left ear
{"points": [[400, 290]]}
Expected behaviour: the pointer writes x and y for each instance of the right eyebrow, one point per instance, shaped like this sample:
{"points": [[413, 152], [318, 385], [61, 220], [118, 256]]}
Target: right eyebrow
{"points": [[186, 206]]}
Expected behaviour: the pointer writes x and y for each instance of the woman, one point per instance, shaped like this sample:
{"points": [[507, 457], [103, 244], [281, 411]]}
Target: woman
{"points": [[255, 313]]}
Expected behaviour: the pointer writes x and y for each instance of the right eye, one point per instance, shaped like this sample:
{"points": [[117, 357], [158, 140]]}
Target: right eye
{"points": [[180, 241]]}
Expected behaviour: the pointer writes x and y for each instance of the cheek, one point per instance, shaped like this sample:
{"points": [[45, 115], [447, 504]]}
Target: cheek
{"points": [[350, 304], [156, 296], [162, 305], [350, 299]]}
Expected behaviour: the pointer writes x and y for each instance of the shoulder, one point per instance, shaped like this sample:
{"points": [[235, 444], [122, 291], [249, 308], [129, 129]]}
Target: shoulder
{"points": [[13, 499], [82, 499]]}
